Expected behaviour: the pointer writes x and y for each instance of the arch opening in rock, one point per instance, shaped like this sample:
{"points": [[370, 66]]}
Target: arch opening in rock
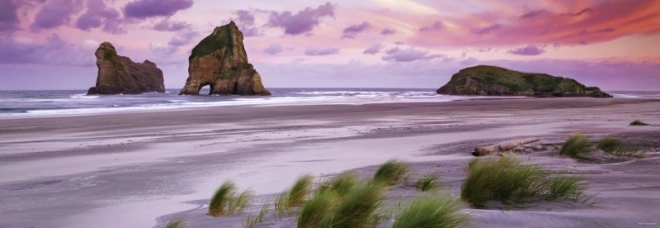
{"points": [[205, 89]]}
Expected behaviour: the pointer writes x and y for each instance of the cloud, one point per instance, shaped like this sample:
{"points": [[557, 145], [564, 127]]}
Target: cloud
{"points": [[245, 22], [485, 49], [374, 49], [408, 55], [303, 21], [8, 15], [486, 30], [97, 15], [314, 51], [532, 14], [437, 25], [273, 49], [583, 11], [54, 51], [55, 13], [142, 9], [527, 50], [387, 31], [353, 30], [597, 22], [180, 38], [171, 26]]}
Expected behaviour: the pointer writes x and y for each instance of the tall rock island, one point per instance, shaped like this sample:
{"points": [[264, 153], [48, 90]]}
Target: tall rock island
{"points": [[120, 75], [220, 62], [497, 81]]}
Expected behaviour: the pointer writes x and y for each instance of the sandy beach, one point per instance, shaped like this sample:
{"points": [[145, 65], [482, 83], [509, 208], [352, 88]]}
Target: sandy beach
{"points": [[145, 169]]}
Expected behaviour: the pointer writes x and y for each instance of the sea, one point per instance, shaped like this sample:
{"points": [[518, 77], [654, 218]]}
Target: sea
{"points": [[32, 103]]}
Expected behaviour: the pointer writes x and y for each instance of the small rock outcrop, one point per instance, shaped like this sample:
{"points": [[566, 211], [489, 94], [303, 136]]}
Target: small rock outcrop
{"points": [[220, 61], [120, 75], [497, 81]]}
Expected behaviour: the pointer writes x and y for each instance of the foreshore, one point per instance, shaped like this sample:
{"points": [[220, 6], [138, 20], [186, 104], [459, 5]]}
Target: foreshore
{"points": [[143, 169]]}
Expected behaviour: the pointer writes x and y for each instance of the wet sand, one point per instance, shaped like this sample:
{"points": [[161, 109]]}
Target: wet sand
{"points": [[143, 169]]}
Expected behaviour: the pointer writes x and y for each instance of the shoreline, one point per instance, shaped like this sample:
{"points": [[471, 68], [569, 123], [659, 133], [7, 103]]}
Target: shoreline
{"points": [[143, 166]]}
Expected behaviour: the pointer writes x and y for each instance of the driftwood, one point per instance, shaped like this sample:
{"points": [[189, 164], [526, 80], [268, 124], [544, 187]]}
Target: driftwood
{"points": [[501, 147]]}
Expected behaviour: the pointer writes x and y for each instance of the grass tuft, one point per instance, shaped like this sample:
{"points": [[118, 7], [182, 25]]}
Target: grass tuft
{"points": [[225, 200], [299, 191], [438, 212], [240, 202], [575, 147], [315, 211], [252, 221], [609, 144], [342, 184], [175, 224], [358, 208], [638, 123], [507, 181], [282, 204], [428, 183], [391, 172], [221, 199], [565, 188], [630, 152], [615, 146]]}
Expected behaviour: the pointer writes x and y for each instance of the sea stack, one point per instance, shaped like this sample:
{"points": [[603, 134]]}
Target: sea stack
{"points": [[220, 61], [120, 75], [497, 81]]}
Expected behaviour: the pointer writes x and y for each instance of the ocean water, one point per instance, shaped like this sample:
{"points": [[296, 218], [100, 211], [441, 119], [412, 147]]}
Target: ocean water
{"points": [[16, 104]]}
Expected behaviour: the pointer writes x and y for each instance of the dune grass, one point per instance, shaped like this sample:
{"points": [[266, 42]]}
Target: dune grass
{"points": [[436, 212], [317, 210], [175, 224], [638, 123], [239, 202], [221, 199], [359, 208], [295, 196], [615, 146], [252, 221], [282, 204], [565, 188], [629, 152], [575, 147], [225, 200], [299, 191], [428, 183], [609, 144], [511, 183], [342, 184], [391, 172]]}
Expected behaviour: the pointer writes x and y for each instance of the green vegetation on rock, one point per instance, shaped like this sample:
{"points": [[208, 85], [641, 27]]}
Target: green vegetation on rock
{"points": [[222, 37], [492, 80]]}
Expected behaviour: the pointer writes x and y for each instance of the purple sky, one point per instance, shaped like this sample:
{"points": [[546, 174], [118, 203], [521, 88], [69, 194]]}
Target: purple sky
{"points": [[50, 44]]}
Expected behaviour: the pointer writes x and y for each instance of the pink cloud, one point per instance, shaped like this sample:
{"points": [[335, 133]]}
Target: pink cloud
{"points": [[354, 30], [387, 31], [373, 49], [437, 25], [303, 21], [155, 8], [527, 50], [55, 13], [563, 24]]}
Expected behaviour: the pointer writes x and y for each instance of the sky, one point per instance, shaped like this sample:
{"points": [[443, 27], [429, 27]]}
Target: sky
{"points": [[50, 44]]}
